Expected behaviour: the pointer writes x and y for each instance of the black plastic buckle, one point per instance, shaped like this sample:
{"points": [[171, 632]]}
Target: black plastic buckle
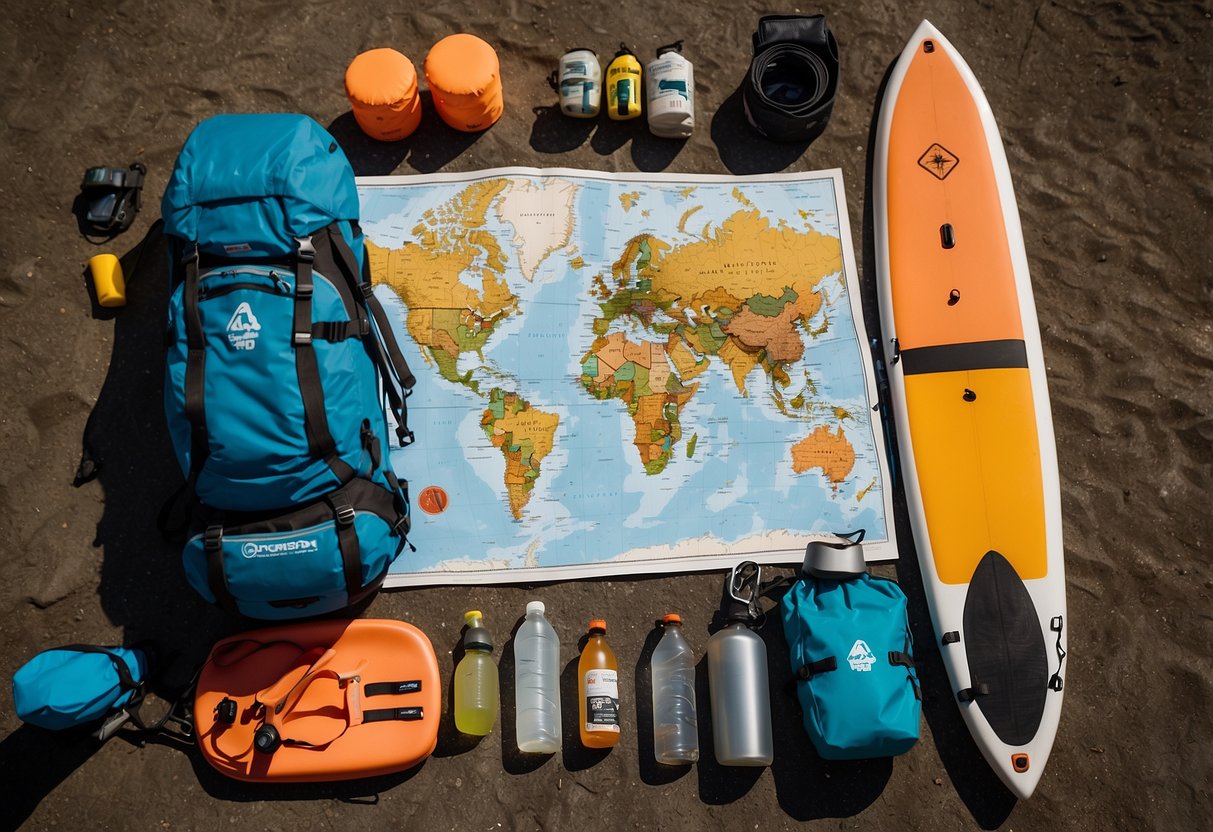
{"points": [[402, 525], [212, 540], [344, 513]]}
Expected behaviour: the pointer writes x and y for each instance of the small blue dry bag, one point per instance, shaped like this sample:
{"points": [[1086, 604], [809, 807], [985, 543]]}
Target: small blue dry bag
{"points": [[850, 646], [78, 685]]}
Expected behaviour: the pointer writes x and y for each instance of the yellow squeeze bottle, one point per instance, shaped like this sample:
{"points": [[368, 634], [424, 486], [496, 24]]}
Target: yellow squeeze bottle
{"points": [[624, 94], [476, 686], [108, 280]]}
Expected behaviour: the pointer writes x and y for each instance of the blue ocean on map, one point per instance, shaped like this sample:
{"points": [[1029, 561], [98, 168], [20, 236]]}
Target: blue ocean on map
{"points": [[593, 502]]}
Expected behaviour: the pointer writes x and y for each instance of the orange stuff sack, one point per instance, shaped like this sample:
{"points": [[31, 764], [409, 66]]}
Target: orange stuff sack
{"points": [[317, 701], [382, 88], [465, 80]]}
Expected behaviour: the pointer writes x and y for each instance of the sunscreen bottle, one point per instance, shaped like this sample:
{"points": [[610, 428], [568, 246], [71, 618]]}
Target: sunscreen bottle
{"points": [[670, 81], [623, 86], [580, 83]]}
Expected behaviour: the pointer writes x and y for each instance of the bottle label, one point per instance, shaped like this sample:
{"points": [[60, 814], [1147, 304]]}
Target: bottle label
{"points": [[602, 700]]}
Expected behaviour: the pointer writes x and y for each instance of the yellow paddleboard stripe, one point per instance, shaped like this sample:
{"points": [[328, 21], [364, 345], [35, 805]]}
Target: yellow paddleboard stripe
{"points": [[978, 469]]}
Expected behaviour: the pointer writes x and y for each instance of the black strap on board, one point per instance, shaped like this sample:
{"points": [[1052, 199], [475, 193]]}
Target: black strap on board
{"points": [[789, 91]]}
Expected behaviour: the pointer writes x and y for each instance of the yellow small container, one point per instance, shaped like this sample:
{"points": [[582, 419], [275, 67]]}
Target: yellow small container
{"points": [[108, 280], [624, 93]]}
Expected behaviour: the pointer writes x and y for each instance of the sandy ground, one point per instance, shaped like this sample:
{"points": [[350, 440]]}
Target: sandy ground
{"points": [[1105, 109]]}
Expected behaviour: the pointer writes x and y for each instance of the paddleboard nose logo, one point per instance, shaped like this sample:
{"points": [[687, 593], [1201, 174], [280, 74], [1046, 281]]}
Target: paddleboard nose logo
{"points": [[938, 161], [243, 328], [861, 656]]}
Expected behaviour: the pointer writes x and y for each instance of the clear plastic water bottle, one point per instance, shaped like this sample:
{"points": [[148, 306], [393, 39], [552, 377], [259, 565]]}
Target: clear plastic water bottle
{"points": [[737, 678], [537, 683], [476, 686], [675, 730]]}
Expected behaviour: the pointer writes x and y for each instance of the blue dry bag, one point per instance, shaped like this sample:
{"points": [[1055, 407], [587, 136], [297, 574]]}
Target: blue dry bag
{"points": [[850, 646], [78, 685], [280, 360]]}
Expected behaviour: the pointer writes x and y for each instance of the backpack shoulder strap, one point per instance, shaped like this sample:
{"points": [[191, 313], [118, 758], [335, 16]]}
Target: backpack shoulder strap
{"points": [[398, 379]]}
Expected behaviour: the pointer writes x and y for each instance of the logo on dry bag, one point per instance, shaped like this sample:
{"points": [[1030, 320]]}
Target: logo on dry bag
{"points": [[861, 656], [243, 328]]}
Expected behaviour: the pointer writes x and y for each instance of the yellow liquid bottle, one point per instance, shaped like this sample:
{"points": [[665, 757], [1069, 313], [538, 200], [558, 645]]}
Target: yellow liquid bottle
{"points": [[476, 686], [598, 689], [624, 95]]}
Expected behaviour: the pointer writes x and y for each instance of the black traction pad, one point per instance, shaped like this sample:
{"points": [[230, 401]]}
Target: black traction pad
{"points": [[1005, 649]]}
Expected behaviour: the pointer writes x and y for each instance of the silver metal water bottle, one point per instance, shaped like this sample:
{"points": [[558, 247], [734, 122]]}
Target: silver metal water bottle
{"points": [[737, 678]]}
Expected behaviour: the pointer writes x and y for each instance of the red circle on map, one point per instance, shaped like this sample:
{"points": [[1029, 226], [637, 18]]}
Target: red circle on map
{"points": [[433, 500]]}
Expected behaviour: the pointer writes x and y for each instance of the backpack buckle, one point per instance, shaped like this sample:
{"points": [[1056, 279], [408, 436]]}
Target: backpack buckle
{"points": [[305, 250], [344, 513], [212, 539]]}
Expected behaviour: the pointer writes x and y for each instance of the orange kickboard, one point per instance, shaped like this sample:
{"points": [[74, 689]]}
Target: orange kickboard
{"points": [[345, 699]]}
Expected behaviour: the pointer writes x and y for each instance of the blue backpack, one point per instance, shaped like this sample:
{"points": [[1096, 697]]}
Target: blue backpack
{"points": [[79, 684], [280, 359], [851, 653]]}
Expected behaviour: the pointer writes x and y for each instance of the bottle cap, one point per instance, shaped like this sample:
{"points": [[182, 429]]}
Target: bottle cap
{"points": [[476, 636], [671, 618], [676, 46], [837, 560], [535, 606], [598, 624]]}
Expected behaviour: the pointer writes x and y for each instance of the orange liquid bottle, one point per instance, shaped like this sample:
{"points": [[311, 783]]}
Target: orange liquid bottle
{"points": [[598, 686]]}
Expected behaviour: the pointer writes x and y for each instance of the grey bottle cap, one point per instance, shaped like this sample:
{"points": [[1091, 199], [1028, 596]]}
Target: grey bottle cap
{"points": [[535, 606], [836, 561], [476, 637]]}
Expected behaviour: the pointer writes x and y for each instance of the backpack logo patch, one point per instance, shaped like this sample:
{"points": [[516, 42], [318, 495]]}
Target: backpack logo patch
{"points": [[243, 328], [278, 548], [861, 656]]}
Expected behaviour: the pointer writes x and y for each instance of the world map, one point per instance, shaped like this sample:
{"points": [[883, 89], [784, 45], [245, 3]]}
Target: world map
{"points": [[626, 374]]}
